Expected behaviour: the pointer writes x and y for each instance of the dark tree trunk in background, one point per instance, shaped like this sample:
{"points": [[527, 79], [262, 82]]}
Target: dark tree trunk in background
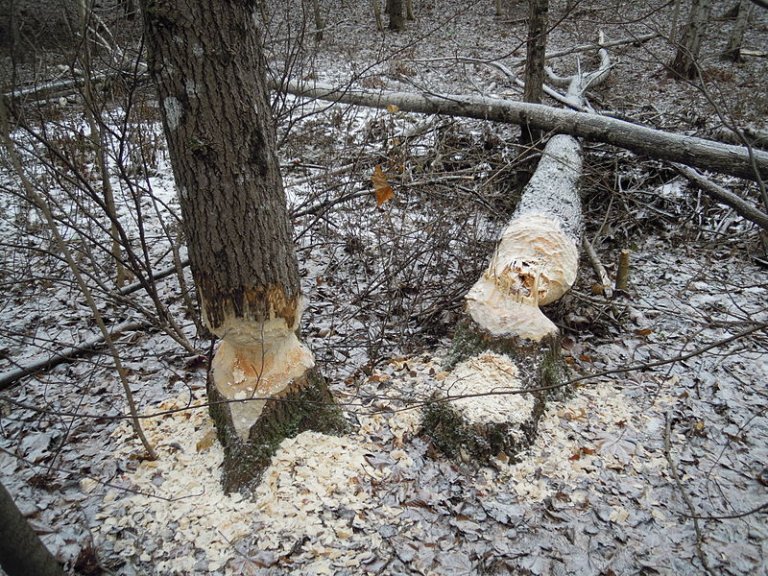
{"points": [[536, 45], [396, 18], [319, 24], [736, 39], [206, 60], [21, 551], [686, 59]]}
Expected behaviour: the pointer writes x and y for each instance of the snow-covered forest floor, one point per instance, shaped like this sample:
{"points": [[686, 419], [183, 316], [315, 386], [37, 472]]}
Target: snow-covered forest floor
{"points": [[654, 458]]}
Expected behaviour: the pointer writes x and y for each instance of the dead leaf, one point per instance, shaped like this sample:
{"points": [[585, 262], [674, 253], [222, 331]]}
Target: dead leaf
{"points": [[206, 441], [393, 108], [381, 186]]}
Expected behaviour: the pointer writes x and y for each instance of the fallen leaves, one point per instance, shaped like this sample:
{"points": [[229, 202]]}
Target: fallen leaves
{"points": [[382, 189]]}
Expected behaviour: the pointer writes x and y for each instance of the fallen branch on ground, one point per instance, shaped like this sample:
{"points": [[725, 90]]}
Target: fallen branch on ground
{"points": [[10, 377], [739, 205], [688, 150]]}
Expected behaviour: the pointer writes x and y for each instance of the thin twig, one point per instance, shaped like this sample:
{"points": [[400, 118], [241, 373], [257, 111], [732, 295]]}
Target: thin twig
{"points": [[686, 498]]}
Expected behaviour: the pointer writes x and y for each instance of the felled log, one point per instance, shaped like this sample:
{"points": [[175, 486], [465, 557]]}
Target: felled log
{"points": [[485, 410], [536, 261], [491, 406]]}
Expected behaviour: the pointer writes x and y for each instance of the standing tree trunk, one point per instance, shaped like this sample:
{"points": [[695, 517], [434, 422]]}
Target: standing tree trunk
{"points": [[536, 46], [686, 59], [207, 63], [319, 24], [377, 15], [21, 551], [736, 39], [396, 19]]}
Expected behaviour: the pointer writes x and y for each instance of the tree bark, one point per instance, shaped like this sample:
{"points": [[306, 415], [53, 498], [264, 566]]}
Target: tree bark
{"points": [[22, 553], [534, 264], [221, 143], [377, 15], [686, 59], [319, 24], [689, 150], [396, 18], [736, 39], [536, 46]]}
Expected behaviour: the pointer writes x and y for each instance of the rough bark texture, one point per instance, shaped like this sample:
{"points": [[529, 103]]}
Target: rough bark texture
{"points": [[686, 58], [21, 551], [207, 64], [206, 60], [536, 46], [396, 18], [689, 150]]}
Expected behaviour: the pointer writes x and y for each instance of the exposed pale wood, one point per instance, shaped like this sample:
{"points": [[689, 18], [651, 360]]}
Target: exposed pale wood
{"points": [[536, 260]]}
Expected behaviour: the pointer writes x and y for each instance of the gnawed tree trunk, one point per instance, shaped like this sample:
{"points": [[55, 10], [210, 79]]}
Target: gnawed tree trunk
{"points": [[537, 258], [494, 398], [221, 143], [686, 59]]}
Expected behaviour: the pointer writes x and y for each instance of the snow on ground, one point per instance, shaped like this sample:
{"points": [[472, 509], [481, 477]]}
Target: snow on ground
{"points": [[595, 493]]}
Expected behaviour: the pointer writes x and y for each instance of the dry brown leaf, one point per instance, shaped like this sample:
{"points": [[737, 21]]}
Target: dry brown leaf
{"points": [[381, 186], [206, 441]]}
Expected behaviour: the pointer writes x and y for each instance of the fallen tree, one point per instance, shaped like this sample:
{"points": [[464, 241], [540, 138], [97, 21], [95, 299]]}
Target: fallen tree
{"points": [[689, 150], [506, 343]]}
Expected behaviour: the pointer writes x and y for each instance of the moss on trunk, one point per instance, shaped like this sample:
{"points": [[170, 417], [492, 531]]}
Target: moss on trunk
{"points": [[461, 435], [306, 405]]}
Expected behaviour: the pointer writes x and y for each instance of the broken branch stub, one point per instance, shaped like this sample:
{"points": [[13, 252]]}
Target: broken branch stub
{"points": [[536, 261]]}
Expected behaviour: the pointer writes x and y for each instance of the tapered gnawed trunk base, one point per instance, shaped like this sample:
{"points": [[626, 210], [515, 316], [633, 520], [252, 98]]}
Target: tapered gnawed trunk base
{"points": [[263, 388], [305, 404]]}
